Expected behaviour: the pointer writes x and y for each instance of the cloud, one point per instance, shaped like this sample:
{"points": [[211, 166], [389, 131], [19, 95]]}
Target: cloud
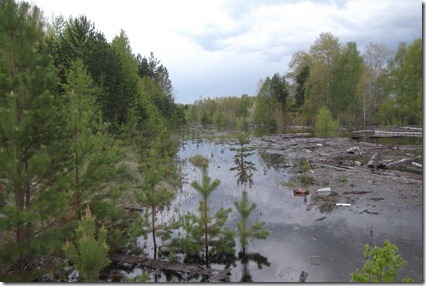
{"points": [[223, 47]]}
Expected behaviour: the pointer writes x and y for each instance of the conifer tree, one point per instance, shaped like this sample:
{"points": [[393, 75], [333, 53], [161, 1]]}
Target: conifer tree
{"points": [[34, 150], [153, 196], [205, 230], [90, 254], [245, 231]]}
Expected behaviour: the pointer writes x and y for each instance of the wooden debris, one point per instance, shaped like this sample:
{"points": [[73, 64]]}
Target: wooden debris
{"points": [[417, 165], [356, 192], [385, 134], [163, 265], [374, 161], [403, 161]]}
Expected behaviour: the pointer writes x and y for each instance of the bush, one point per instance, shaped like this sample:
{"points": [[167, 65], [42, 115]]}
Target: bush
{"points": [[325, 126], [382, 264]]}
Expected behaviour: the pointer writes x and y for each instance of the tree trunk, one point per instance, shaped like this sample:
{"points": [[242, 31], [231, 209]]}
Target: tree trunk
{"points": [[403, 161], [374, 161], [206, 241], [153, 231]]}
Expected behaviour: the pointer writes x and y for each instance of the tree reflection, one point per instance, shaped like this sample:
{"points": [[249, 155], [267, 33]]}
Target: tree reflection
{"points": [[247, 231], [243, 166], [245, 259]]}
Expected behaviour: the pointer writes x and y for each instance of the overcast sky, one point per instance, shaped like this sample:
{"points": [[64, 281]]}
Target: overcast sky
{"points": [[223, 47]]}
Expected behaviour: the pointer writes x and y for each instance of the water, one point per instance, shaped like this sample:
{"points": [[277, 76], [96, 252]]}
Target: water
{"points": [[329, 250]]}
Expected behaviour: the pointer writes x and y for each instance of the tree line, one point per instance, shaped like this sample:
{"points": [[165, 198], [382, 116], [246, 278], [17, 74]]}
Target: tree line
{"points": [[380, 86]]}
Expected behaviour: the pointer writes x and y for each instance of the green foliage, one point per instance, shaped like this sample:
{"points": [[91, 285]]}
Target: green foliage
{"points": [[343, 178], [265, 105], [90, 254], [206, 231], [152, 196], [304, 166], [199, 161], [382, 264], [34, 151], [325, 126], [245, 231], [301, 79], [344, 90], [408, 83]]}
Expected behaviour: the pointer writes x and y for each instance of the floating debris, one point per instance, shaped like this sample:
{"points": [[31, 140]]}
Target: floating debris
{"points": [[343, 205]]}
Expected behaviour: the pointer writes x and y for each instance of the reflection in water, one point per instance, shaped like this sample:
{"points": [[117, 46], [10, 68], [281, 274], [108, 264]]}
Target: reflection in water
{"points": [[243, 166], [245, 258], [245, 169], [297, 229]]}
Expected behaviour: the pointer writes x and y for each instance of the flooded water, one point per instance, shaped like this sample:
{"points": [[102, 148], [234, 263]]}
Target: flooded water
{"points": [[328, 246]]}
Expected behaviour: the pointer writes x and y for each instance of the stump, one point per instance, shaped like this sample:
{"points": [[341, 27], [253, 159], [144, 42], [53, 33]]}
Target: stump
{"points": [[374, 161]]}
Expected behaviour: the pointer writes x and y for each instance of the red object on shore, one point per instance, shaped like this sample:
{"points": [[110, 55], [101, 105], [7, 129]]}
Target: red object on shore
{"points": [[298, 191]]}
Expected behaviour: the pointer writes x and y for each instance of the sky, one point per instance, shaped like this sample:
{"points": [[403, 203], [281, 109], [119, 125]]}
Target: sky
{"points": [[215, 48]]}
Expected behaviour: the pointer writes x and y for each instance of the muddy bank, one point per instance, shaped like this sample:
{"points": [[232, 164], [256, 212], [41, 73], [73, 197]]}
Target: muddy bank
{"points": [[341, 164]]}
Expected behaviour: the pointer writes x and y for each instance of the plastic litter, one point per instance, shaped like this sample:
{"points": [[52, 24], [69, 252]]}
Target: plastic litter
{"points": [[343, 205], [328, 189]]}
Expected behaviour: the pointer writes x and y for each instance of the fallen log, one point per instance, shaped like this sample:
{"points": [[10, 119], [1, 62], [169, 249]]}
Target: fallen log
{"points": [[417, 165], [374, 161], [403, 161], [385, 134], [163, 265]]}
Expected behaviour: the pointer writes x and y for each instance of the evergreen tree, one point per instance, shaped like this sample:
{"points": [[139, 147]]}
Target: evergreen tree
{"points": [[301, 79], [245, 231], [153, 196], [90, 254], [34, 150], [206, 230]]}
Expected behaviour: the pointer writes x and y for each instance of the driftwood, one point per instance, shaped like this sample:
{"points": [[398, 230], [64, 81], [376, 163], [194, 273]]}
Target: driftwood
{"points": [[374, 161], [403, 161], [385, 134], [165, 265]]}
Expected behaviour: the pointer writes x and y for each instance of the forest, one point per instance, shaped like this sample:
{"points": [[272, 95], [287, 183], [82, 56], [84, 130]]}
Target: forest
{"points": [[378, 87], [88, 125]]}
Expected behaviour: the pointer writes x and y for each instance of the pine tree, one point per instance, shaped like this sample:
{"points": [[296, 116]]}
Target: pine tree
{"points": [[153, 196], [33, 145], [206, 231], [245, 231], [90, 254]]}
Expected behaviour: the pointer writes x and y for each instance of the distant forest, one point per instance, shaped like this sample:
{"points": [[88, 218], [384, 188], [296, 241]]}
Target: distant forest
{"points": [[378, 87]]}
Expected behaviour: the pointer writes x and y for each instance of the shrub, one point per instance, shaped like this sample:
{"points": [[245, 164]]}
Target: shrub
{"points": [[325, 126], [382, 264]]}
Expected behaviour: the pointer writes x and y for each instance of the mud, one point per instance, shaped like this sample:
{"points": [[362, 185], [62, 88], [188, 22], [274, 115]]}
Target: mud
{"points": [[346, 173], [321, 234]]}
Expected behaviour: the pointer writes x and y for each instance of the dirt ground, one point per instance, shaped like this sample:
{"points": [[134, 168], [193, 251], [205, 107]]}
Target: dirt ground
{"points": [[346, 173]]}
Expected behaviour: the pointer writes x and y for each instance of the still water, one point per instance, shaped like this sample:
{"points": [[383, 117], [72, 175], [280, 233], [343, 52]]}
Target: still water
{"points": [[328, 250]]}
